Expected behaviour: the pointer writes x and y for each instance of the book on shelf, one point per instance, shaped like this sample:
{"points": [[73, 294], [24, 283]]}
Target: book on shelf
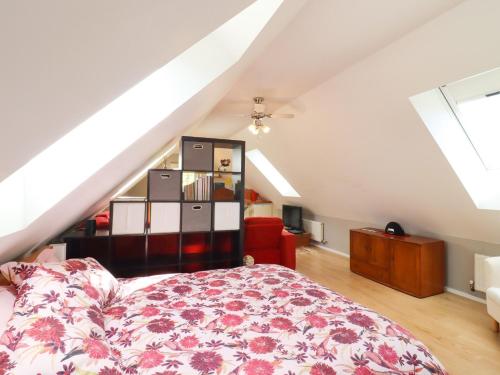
{"points": [[199, 190]]}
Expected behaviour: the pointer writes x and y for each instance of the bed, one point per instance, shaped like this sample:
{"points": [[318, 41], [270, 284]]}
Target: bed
{"points": [[74, 317]]}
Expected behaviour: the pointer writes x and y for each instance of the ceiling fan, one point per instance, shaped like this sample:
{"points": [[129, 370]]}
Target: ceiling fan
{"points": [[259, 113]]}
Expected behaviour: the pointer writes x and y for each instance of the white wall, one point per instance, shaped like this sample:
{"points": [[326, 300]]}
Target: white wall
{"points": [[358, 151]]}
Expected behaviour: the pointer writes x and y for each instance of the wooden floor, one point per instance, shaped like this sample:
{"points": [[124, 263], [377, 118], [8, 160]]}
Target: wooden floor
{"points": [[457, 330]]}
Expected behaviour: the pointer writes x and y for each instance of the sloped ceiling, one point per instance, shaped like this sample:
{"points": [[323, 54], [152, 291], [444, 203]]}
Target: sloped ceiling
{"points": [[66, 60], [357, 150], [324, 39], [63, 61]]}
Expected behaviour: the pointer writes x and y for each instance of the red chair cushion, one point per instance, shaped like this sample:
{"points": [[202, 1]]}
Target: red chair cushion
{"points": [[263, 220], [265, 256], [262, 232]]}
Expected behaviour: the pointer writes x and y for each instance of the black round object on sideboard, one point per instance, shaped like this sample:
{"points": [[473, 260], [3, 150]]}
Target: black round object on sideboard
{"points": [[394, 228]]}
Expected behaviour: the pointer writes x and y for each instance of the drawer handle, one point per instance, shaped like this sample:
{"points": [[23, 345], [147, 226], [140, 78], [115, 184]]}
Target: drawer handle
{"points": [[198, 146], [165, 176], [196, 208]]}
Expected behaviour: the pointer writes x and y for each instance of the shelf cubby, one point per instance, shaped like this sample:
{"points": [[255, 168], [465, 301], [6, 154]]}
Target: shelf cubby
{"points": [[127, 255], [128, 216], [225, 245], [81, 246], [196, 154], [228, 156], [227, 216], [164, 185], [196, 247], [163, 249], [196, 186], [227, 186], [164, 217], [196, 217]]}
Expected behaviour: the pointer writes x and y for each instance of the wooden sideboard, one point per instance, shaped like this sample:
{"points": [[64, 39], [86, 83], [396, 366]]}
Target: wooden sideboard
{"points": [[411, 264]]}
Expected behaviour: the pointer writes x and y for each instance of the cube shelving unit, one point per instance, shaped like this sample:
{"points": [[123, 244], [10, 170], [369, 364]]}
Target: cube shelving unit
{"points": [[192, 218]]}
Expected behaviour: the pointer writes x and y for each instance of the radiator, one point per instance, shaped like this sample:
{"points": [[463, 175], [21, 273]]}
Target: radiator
{"points": [[316, 228], [479, 272]]}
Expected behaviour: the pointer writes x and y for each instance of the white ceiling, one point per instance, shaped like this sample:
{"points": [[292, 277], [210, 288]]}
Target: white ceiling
{"points": [[359, 151], [64, 60], [326, 37]]}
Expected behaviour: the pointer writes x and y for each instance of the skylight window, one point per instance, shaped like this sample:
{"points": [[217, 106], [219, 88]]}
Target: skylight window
{"points": [[476, 103], [464, 119], [271, 173], [26, 194]]}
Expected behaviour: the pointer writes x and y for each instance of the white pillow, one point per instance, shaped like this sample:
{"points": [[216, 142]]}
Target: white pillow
{"points": [[8, 293], [7, 299], [48, 255]]}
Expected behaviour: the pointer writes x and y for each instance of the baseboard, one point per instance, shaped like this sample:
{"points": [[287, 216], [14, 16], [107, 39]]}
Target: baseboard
{"points": [[446, 288], [465, 295], [323, 247]]}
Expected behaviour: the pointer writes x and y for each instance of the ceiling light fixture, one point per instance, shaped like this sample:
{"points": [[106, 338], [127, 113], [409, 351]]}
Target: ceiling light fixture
{"points": [[259, 113], [257, 126]]}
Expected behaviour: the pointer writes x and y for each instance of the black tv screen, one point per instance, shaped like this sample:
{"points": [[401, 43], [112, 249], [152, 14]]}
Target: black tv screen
{"points": [[292, 217]]}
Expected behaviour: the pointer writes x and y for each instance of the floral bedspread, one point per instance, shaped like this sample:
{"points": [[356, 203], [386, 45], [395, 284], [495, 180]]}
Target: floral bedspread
{"points": [[258, 320]]}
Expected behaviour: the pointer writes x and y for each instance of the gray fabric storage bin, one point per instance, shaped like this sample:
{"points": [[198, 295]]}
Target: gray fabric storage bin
{"points": [[197, 156], [164, 185], [196, 217]]}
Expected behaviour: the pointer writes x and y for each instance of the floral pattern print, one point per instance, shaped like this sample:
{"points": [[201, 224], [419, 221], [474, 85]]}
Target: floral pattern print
{"points": [[257, 320], [58, 322]]}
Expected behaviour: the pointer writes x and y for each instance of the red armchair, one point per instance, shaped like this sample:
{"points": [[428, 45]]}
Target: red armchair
{"points": [[267, 242]]}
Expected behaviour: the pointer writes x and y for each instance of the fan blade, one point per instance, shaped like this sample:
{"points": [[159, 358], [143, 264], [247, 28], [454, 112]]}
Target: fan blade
{"points": [[280, 115], [239, 115]]}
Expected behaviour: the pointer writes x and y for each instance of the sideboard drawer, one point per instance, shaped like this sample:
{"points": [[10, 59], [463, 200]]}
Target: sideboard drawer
{"points": [[372, 272]]}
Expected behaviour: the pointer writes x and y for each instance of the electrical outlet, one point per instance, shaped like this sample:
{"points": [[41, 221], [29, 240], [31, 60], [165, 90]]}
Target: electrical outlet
{"points": [[471, 285]]}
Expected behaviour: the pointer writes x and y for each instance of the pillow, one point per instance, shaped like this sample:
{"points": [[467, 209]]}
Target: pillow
{"points": [[7, 299], [45, 254], [87, 275], [4, 281], [57, 326]]}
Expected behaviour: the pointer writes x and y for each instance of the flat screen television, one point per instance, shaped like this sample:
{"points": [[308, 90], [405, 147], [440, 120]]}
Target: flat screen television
{"points": [[292, 218]]}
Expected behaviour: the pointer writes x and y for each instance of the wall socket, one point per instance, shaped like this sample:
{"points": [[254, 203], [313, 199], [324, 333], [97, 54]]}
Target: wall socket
{"points": [[471, 286]]}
